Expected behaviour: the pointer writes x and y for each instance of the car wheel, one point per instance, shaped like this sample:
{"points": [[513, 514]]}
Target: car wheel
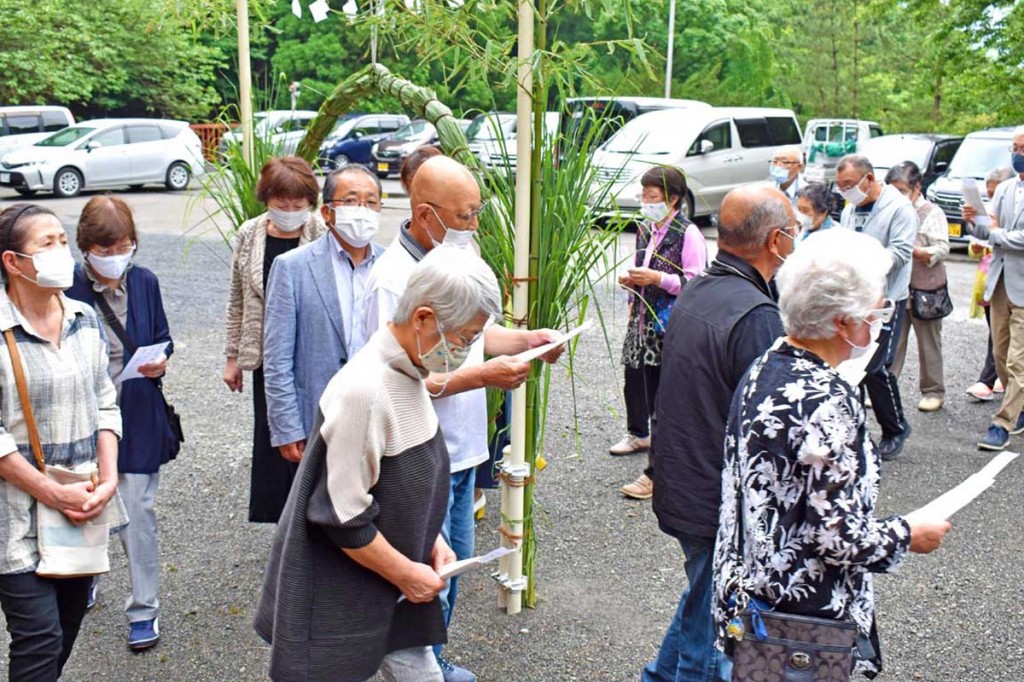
{"points": [[688, 206], [25, 192], [340, 161], [67, 182], [178, 176]]}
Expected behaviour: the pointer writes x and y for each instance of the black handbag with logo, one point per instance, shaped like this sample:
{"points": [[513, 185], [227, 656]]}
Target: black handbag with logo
{"points": [[931, 304]]}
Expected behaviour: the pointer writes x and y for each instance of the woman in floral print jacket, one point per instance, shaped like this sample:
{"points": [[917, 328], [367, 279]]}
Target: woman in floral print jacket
{"points": [[798, 459]]}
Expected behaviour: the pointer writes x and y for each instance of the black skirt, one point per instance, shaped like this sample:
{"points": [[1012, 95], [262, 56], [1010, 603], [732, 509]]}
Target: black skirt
{"points": [[272, 474]]}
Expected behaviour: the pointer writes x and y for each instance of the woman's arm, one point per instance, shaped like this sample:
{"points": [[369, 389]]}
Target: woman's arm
{"points": [[418, 582], [236, 299]]}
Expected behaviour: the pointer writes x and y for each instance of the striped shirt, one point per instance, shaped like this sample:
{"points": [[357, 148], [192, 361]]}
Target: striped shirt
{"points": [[72, 399]]}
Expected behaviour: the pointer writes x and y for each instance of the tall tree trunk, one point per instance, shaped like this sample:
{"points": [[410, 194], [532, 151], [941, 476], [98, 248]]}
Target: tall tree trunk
{"points": [[937, 99], [835, 59], [856, 58]]}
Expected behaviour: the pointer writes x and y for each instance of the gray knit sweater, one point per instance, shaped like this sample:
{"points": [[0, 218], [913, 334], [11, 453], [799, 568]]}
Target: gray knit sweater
{"points": [[376, 464]]}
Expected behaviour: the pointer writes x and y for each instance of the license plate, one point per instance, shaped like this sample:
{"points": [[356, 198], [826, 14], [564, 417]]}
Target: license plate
{"points": [[955, 230], [5, 177], [382, 167]]}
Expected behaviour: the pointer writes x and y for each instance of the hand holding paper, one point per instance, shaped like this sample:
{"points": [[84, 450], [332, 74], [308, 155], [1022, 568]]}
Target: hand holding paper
{"points": [[562, 339], [144, 356]]}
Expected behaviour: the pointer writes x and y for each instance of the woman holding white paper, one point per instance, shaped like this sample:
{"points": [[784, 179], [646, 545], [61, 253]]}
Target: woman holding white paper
{"points": [[799, 463], [127, 300], [78, 422]]}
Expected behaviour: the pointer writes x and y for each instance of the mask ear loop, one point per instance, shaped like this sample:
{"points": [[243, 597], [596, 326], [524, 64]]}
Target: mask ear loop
{"points": [[419, 351]]}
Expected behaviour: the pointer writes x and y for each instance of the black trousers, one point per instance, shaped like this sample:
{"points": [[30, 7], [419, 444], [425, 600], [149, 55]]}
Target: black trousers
{"points": [[988, 372], [272, 474], [640, 388], [880, 383], [43, 617]]}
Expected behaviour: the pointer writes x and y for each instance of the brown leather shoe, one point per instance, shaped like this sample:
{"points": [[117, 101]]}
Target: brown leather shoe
{"points": [[640, 489]]}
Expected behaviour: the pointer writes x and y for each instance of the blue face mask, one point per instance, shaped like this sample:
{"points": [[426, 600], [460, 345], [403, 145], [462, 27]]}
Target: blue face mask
{"points": [[779, 174], [1017, 161]]}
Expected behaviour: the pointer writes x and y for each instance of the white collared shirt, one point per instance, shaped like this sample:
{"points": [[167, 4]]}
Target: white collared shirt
{"points": [[350, 279]]}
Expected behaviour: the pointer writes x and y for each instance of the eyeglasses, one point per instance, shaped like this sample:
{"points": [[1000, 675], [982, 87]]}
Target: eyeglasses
{"points": [[350, 202], [784, 162], [884, 313], [789, 230], [107, 251], [465, 218], [1014, 149], [466, 343]]}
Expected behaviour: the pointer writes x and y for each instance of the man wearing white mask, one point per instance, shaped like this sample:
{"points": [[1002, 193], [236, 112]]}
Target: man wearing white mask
{"points": [[446, 202], [785, 168], [314, 298], [882, 212]]}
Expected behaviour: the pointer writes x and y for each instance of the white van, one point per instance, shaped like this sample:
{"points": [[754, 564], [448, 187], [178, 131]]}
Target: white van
{"points": [[718, 149], [826, 140], [22, 126]]}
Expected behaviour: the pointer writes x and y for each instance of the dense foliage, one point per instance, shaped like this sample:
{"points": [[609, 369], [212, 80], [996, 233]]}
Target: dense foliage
{"points": [[913, 65]]}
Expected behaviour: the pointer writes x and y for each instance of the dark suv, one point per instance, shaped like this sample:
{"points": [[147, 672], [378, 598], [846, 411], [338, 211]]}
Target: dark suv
{"points": [[352, 140], [932, 153], [389, 153]]}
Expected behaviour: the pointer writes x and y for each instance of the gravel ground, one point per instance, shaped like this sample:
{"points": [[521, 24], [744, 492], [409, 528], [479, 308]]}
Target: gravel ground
{"points": [[609, 580]]}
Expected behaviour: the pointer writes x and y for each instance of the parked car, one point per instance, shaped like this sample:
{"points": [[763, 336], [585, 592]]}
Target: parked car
{"points": [[981, 151], [389, 153], [826, 140], [501, 154], [931, 152], [284, 129], [22, 126], [106, 153], [717, 148], [487, 130], [352, 139], [613, 112]]}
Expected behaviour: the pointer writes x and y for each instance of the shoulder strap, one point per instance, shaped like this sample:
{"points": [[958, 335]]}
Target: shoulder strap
{"points": [[26, 404], [113, 322]]}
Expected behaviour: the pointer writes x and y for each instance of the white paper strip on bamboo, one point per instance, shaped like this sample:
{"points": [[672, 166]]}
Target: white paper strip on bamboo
{"points": [[511, 582]]}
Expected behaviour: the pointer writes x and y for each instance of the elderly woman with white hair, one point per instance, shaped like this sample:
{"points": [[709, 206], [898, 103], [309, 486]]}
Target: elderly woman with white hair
{"points": [[798, 532], [352, 582]]}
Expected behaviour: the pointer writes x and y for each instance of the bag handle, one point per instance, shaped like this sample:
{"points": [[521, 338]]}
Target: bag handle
{"points": [[26, 404], [114, 323]]}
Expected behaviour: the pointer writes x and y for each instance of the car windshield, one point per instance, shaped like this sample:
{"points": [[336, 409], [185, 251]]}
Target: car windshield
{"points": [[342, 129], [65, 137], [650, 136], [979, 155], [491, 127], [886, 152], [411, 131]]}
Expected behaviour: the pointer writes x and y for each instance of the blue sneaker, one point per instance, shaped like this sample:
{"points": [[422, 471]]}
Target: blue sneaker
{"points": [[143, 634], [996, 438], [453, 673], [1019, 428]]}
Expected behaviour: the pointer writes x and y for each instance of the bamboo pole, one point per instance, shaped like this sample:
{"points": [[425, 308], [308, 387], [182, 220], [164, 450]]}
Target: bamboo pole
{"points": [[515, 466], [245, 81]]}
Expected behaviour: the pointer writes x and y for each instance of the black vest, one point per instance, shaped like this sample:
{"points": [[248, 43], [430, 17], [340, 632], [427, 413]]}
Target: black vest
{"points": [[697, 384]]}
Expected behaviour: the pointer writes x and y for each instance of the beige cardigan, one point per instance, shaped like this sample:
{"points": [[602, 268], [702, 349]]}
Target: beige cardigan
{"points": [[245, 295]]}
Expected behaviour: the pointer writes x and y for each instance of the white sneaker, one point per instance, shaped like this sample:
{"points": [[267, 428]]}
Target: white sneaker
{"points": [[630, 444]]}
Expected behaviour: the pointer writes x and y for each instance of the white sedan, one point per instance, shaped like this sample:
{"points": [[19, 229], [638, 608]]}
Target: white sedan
{"points": [[104, 153]]}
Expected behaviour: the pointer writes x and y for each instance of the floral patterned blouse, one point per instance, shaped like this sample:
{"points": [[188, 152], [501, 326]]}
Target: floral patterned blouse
{"points": [[798, 455]]}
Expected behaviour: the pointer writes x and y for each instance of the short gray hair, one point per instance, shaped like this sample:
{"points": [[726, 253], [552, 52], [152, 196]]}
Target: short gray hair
{"points": [[835, 273], [455, 283], [999, 174], [751, 233], [331, 180], [1018, 131], [858, 161]]}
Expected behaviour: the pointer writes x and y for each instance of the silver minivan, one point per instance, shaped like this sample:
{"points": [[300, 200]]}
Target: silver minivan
{"points": [[24, 125], [718, 149]]}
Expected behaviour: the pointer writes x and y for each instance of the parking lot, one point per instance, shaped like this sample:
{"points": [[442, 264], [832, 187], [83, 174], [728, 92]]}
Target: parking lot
{"points": [[608, 579]]}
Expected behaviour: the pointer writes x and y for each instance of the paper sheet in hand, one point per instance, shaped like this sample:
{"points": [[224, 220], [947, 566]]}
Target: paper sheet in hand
{"points": [[143, 356], [460, 567], [534, 353], [952, 501], [972, 198]]}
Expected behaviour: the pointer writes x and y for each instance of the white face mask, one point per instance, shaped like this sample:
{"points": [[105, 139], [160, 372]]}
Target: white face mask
{"points": [[656, 212], [860, 351], [55, 268], [111, 267], [460, 239], [778, 174], [806, 221], [356, 224], [855, 195], [288, 221]]}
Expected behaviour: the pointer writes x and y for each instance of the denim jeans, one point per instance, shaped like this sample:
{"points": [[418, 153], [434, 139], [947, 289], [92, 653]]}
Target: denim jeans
{"points": [[688, 651], [458, 531], [43, 617]]}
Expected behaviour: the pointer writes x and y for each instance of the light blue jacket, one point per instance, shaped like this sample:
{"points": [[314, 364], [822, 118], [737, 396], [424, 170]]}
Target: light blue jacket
{"points": [[303, 337], [893, 222], [1008, 244]]}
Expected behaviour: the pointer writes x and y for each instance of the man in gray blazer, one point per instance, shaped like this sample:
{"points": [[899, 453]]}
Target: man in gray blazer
{"points": [[882, 212], [1005, 294], [314, 298]]}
